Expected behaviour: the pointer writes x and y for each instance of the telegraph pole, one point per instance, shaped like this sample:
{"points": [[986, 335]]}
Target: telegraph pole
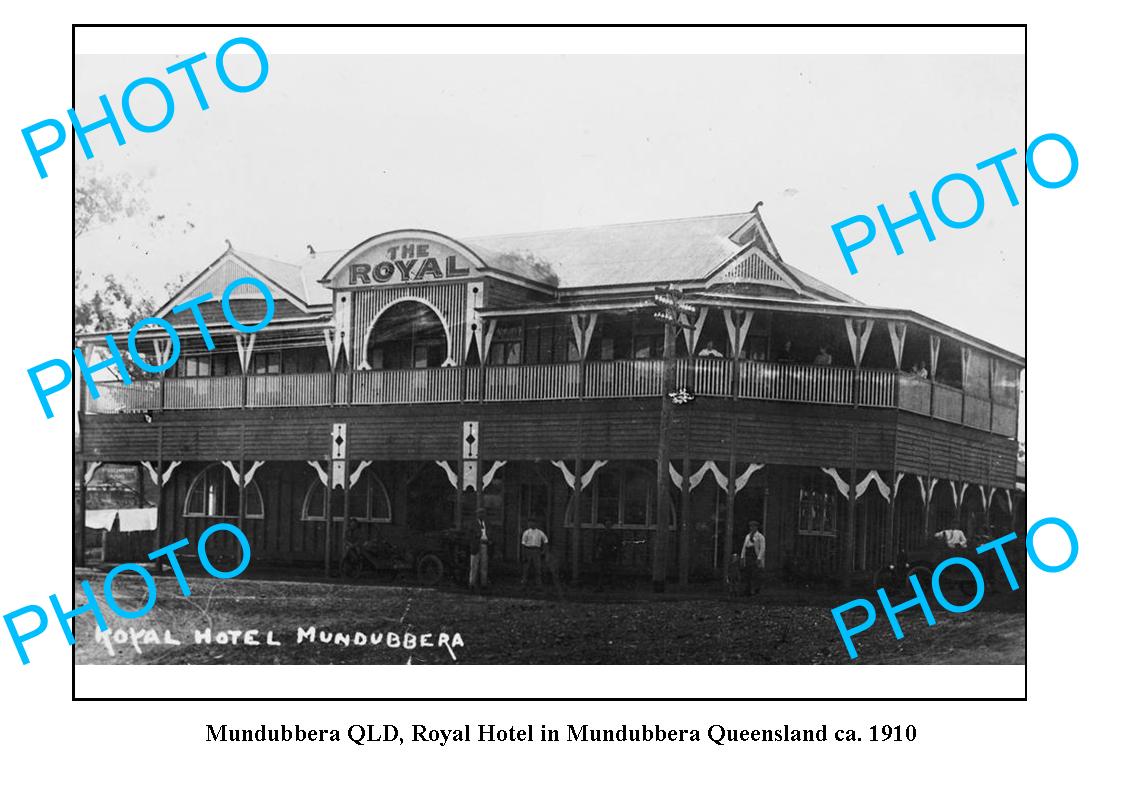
{"points": [[671, 312]]}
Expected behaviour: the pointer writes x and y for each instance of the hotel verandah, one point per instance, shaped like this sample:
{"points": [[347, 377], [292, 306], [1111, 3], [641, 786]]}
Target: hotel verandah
{"points": [[508, 369]]}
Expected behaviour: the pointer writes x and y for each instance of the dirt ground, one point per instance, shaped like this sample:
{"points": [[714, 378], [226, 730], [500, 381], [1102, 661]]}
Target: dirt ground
{"points": [[379, 622]]}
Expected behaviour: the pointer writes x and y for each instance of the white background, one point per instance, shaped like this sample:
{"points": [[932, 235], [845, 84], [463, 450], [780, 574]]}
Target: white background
{"points": [[1059, 738]]}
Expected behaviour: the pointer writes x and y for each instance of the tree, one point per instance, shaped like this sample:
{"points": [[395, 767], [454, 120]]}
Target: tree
{"points": [[118, 303], [100, 200]]}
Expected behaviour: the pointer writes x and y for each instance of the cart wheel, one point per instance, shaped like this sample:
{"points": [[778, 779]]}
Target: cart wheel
{"points": [[886, 578], [430, 569], [350, 566], [923, 574]]}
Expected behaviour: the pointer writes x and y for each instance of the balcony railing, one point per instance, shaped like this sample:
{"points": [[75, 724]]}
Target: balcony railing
{"points": [[414, 386], [532, 382], [221, 392], [289, 389], [639, 378], [115, 397]]}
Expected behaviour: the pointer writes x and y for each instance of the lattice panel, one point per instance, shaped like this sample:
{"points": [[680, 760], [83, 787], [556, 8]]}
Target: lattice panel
{"points": [[752, 268]]}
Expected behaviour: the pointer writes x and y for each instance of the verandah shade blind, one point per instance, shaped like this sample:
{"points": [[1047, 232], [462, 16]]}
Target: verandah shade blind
{"points": [[1005, 379], [976, 373]]}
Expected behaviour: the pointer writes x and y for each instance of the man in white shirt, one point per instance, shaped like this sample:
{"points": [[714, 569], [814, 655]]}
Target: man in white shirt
{"points": [[534, 542], [952, 537], [752, 558], [708, 350]]}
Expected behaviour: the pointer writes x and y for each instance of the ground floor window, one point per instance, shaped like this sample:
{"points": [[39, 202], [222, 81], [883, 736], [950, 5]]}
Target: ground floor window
{"points": [[368, 501], [625, 497], [818, 509], [213, 493]]}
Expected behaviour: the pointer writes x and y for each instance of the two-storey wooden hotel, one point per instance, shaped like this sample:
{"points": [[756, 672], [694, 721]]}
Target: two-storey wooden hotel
{"points": [[404, 380]]}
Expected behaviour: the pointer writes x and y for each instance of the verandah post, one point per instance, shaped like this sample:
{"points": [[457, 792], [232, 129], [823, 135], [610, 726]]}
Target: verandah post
{"points": [[327, 521], [345, 528], [242, 483], [684, 514], [927, 495], [662, 475], [891, 541], [775, 537], [80, 460], [730, 495], [81, 530], [575, 543], [459, 487], [851, 513], [160, 535]]}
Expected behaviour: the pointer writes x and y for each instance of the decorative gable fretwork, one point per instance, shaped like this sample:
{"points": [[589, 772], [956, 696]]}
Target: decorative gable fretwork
{"points": [[755, 266], [751, 267]]}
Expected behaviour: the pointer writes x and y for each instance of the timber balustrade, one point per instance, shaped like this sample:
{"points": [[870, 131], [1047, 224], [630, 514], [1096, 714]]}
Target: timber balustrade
{"points": [[413, 386], [221, 392], [626, 378], [289, 389], [531, 382], [636, 378], [117, 397]]}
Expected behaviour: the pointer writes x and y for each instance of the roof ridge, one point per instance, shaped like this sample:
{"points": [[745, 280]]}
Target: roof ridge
{"points": [[739, 214], [264, 257]]}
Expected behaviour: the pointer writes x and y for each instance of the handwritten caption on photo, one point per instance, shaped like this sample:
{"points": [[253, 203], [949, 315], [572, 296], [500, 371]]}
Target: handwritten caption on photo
{"points": [[87, 371], [21, 637]]}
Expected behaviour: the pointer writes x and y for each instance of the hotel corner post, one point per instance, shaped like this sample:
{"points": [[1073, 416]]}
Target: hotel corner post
{"points": [[532, 371]]}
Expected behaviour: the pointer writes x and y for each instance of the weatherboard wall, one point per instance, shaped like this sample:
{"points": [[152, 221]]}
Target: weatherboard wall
{"points": [[802, 435]]}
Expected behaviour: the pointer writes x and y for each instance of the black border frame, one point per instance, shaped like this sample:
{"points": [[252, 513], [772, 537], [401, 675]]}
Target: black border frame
{"points": [[74, 385]]}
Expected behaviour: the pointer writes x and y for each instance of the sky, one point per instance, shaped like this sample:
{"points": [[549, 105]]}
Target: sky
{"points": [[331, 150]]}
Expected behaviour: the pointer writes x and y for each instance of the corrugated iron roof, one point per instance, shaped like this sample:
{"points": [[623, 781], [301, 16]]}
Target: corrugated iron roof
{"points": [[820, 286], [646, 251], [683, 249], [300, 279]]}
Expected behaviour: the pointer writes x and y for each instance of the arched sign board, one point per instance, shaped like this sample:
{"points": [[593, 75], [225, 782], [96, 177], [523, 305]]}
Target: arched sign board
{"points": [[401, 258]]}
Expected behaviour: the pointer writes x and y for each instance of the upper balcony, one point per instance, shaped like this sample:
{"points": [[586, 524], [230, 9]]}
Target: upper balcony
{"points": [[413, 317], [705, 377]]}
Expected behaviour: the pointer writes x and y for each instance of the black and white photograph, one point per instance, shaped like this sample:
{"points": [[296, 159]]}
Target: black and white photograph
{"points": [[502, 398], [551, 359]]}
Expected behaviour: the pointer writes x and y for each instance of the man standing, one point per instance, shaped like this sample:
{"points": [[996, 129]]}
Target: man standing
{"points": [[752, 558], [533, 540], [477, 550]]}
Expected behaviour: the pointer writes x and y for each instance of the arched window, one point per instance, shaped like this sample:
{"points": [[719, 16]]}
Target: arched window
{"points": [[408, 334], [623, 496], [369, 501], [213, 493]]}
